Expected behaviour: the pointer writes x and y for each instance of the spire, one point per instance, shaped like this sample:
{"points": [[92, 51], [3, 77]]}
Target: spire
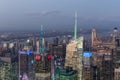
{"points": [[75, 27], [41, 40]]}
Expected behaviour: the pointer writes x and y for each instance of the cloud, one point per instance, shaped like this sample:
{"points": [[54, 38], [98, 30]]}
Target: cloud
{"points": [[43, 13]]}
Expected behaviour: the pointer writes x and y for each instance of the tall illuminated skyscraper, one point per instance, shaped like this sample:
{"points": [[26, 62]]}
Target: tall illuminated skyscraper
{"points": [[74, 52], [94, 36], [95, 40]]}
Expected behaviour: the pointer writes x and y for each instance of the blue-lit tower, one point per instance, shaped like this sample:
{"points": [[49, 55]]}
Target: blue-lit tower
{"points": [[41, 41]]}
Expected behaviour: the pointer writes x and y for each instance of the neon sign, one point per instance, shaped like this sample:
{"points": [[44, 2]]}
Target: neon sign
{"points": [[37, 57], [87, 54], [25, 52], [49, 57]]}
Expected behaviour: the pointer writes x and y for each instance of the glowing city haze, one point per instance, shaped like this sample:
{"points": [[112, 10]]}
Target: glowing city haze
{"points": [[58, 14]]}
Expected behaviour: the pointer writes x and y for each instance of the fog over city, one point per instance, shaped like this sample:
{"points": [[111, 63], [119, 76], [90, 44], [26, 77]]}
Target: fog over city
{"points": [[28, 15]]}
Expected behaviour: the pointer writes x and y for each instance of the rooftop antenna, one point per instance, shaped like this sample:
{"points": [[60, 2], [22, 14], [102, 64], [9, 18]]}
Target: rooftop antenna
{"points": [[75, 27]]}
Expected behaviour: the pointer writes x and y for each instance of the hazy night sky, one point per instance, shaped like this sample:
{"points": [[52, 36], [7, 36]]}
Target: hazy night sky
{"points": [[58, 14]]}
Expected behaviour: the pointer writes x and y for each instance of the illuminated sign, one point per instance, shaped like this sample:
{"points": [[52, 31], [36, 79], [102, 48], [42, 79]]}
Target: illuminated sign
{"points": [[37, 57], [87, 54], [25, 77], [25, 52], [49, 57]]}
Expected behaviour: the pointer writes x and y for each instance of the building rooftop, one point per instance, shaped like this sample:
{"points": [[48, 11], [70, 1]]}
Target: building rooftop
{"points": [[68, 71]]}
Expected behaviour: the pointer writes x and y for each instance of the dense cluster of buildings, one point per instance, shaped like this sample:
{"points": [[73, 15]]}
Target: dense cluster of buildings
{"points": [[66, 58]]}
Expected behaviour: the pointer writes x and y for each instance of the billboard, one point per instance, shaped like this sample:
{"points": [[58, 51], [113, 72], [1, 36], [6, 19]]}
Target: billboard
{"points": [[25, 52], [87, 54], [87, 58]]}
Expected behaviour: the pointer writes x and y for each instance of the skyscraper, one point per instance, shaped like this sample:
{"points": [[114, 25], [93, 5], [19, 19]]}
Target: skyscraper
{"points": [[42, 60], [95, 40], [115, 35], [25, 61], [74, 52]]}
